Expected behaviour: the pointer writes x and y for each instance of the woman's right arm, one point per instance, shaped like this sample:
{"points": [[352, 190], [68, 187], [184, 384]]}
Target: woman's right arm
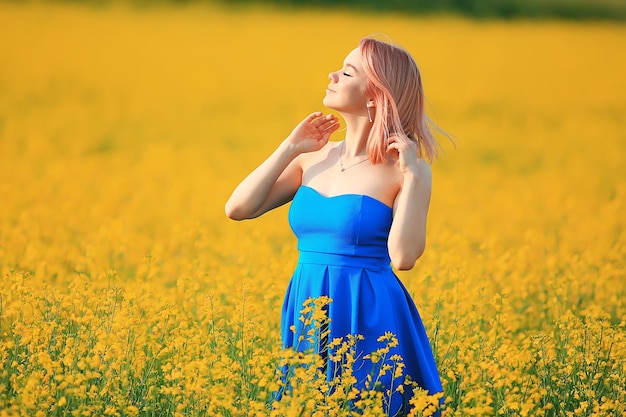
{"points": [[276, 180]]}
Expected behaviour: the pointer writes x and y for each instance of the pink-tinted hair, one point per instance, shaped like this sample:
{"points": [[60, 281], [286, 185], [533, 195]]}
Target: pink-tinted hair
{"points": [[395, 84]]}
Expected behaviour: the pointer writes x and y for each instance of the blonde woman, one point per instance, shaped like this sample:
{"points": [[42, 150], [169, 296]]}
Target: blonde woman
{"points": [[359, 207]]}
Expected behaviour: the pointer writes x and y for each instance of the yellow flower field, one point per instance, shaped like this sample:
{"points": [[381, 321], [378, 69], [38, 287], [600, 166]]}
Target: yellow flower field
{"points": [[125, 291]]}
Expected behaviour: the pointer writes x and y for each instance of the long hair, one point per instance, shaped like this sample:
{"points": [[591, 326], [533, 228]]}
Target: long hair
{"points": [[395, 83]]}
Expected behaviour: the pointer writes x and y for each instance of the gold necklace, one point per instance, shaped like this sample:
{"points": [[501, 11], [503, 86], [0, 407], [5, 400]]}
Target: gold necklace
{"points": [[343, 146]]}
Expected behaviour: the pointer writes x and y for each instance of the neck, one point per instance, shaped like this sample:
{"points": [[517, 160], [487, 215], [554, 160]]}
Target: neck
{"points": [[357, 131]]}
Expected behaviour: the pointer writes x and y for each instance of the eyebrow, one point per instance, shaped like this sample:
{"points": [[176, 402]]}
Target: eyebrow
{"points": [[347, 64]]}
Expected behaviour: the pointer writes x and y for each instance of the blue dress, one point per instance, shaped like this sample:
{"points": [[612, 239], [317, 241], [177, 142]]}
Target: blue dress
{"points": [[343, 255]]}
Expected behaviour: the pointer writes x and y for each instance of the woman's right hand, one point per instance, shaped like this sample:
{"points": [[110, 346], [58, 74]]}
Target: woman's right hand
{"points": [[313, 132], [275, 181]]}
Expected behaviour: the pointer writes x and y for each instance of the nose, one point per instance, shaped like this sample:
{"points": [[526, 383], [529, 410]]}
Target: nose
{"points": [[332, 76]]}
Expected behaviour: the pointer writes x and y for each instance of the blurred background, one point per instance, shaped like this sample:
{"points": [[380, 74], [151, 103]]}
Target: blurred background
{"points": [[569, 9], [124, 126]]}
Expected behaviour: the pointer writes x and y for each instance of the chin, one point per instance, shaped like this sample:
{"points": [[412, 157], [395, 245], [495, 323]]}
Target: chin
{"points": [[328, 104]]}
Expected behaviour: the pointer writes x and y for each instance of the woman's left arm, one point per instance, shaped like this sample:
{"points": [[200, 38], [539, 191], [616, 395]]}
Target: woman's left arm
{"points": [[407, 237]]}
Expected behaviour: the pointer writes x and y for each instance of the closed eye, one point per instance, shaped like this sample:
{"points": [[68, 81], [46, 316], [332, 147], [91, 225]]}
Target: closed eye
{"points": [[347, 75]]}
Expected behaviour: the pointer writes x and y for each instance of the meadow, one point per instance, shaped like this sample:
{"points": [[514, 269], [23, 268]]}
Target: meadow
{"points": [[124, 290]]}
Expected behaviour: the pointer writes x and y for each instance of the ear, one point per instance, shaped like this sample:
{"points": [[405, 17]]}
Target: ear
{"points": [[370, 103]]}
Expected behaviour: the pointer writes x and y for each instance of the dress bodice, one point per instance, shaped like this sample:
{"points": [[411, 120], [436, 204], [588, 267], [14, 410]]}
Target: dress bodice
{"points": [[347, 224]]}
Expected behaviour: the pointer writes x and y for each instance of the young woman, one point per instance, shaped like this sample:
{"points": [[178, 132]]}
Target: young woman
{"points": [[358, 207]]}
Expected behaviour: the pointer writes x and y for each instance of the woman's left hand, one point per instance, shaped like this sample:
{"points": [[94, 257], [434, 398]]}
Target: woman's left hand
{"points": [[404, 151]]}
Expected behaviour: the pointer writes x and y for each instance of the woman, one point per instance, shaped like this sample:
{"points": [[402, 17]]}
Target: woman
{"points": [[358, 206]]}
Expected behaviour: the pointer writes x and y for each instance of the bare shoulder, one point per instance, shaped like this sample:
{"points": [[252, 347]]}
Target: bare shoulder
{"points": [[424, 179], [311, 158], [423, 168]]}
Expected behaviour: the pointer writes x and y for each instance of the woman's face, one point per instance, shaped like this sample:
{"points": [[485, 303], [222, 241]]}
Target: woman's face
{"points": [[346, 91]]}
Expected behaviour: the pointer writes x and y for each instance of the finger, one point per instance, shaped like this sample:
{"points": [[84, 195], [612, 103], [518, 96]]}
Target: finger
{"points": [[332, 127], [320, 121], [329, 118], [313, 116], [396, 150], [393, 152], [394, 146], [327, 125]]}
